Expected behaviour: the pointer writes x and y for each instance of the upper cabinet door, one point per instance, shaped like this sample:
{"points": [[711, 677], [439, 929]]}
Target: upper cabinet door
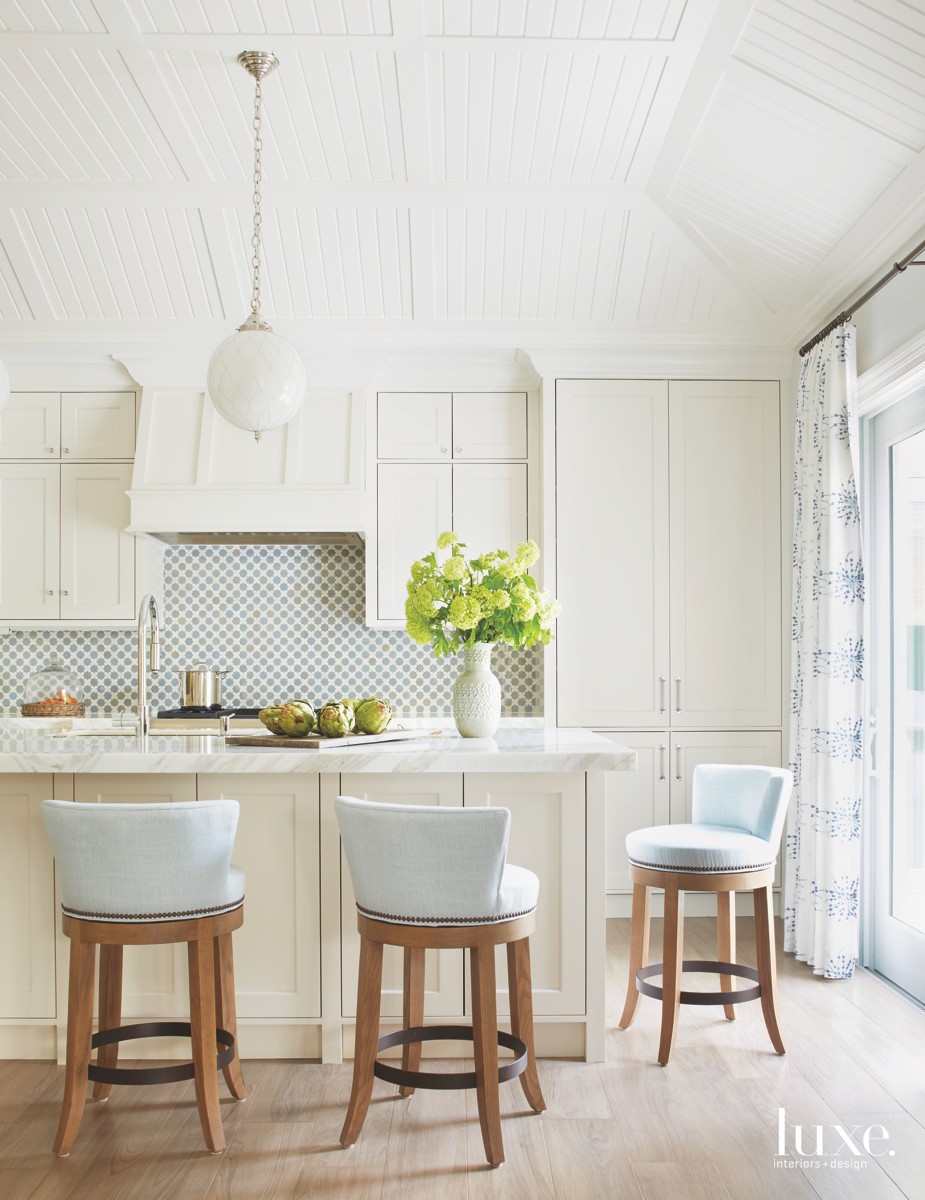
{"points": [[415, 506], [29, 529], [30, 426], [415, 425], [490, 506], [612, 545], [489, 425], [724, 442], [97, 555], [97, 425]]}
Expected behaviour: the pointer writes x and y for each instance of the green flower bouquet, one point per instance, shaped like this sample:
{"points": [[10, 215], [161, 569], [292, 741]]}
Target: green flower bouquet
{"points": [[492, 598]]}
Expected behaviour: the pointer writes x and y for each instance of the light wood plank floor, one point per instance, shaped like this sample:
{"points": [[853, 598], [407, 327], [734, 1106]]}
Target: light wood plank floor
{"points": [[704, 1128]]}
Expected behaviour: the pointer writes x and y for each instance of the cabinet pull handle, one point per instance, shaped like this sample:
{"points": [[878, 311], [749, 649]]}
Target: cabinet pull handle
{"points": [[677, 694], [677, 763], [661, 696], [443, 450], [661, 763]]}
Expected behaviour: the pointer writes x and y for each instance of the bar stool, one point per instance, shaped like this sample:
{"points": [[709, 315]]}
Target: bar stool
{"points": [[436, 878], [730, 846], [141, 875]]}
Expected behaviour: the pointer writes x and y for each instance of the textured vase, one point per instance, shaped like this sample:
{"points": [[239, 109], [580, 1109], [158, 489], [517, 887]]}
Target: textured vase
{"points": [[477, 694]]}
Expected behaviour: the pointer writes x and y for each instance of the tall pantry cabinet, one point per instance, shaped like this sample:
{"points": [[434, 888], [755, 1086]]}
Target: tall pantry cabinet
{"points": [[668, 541]]}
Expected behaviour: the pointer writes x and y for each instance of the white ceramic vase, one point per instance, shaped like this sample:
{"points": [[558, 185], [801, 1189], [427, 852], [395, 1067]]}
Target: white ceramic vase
{"points": [[477, 694]]}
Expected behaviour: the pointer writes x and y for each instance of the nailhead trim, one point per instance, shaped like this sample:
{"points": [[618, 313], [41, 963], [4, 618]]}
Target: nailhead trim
{"points": [[635, 862], [368, 912], [168, 916]]}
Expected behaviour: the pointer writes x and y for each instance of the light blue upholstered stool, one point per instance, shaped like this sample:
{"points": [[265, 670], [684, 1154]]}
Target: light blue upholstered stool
{"points": [[730, 846], [436, 878], [148, 874]]}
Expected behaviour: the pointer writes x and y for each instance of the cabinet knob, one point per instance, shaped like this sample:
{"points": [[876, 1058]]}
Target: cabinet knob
{"points": [[66, 449], [51, 591], [65, 592], [50, 449], [457, 449], [443, 450]]}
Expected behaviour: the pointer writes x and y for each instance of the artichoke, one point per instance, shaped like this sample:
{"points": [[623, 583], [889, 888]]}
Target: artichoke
{"points": [[373, 716], [296, 719], [270, 718], [336, 720]]}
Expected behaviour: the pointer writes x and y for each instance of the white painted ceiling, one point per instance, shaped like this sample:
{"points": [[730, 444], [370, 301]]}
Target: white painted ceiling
{"points": [[444, 171]]}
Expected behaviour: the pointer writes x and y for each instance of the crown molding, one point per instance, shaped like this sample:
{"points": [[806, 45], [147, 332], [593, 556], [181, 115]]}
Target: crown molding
{"points": [[893, 378]]}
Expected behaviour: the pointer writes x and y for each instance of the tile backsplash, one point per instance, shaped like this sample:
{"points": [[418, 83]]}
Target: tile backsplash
{"points": [[286, 620]]}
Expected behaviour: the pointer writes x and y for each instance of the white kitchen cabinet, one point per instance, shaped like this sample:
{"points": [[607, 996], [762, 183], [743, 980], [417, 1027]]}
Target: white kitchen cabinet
{"points": [[547, 837], [489, 425], [659, 791], [441, 426], [277, 952], [27, 897], [415, 425], [29, 541], [415, 504], [97, 555], [30, 426], [68, 425], [490, 505], [669, 554], [486, 504], [443, 977], [64, 553]]}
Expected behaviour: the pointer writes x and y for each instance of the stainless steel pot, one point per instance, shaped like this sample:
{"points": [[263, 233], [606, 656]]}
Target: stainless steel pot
{"points": [[201, 686]]}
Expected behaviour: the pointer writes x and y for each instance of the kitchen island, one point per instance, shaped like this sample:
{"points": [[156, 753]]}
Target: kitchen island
{"points": [[296, 956]]}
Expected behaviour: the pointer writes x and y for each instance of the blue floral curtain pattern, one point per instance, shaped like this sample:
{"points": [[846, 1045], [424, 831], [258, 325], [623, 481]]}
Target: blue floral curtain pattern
{"points": [[823, 856]]}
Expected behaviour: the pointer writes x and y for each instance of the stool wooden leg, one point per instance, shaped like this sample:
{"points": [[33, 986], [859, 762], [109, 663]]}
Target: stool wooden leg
{"points": [[726, 943], [639, 950], [485, 1028], [672, 958], [225, 1010], [79, 1033], [110, 1011], [366, 1044], [412, 1009], [766, 955], [520, 987], [202, 1015]]}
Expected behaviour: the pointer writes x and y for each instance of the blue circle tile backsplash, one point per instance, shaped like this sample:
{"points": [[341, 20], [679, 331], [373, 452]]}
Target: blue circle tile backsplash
{"points": [[286, 620]]}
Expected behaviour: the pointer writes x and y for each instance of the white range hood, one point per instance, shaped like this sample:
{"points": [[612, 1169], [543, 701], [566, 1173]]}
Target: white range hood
{"points": [[198, 479]]}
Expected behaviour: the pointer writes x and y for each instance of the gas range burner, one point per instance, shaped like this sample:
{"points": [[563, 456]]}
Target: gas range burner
{"points": [[197, 712]]}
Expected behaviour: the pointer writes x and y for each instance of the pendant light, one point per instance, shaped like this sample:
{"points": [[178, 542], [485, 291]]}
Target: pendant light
{"points": [[256, 379]]}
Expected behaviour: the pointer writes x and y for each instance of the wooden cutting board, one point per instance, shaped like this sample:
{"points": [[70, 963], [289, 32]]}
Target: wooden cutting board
{"points": [[316, 741]]}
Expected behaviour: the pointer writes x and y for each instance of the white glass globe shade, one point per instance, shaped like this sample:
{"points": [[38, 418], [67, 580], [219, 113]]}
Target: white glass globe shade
{"points": [[256, 380], [4, 386]]}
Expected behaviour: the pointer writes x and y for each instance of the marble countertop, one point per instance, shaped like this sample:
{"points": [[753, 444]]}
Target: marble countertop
{"points": [[27, 749]]}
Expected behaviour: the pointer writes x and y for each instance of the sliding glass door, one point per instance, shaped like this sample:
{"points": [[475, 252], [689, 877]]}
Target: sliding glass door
{"points": [[896, 512]]}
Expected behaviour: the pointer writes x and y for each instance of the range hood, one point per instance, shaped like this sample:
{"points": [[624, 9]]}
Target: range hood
{"points": [[200, 481]]}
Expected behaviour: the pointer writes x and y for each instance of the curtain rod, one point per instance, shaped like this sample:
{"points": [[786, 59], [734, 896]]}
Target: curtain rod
{"points": [[844, 317]]}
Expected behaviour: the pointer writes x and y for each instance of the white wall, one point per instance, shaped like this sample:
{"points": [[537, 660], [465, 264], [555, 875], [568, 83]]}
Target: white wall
{"points": [[892, 317]]}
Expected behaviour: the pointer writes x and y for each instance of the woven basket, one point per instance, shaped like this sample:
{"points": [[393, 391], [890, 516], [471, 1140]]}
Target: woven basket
{"points": [[48, 708]]}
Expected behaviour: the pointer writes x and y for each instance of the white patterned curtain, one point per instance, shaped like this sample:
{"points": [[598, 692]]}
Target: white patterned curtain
{"points": [[823, 858]]}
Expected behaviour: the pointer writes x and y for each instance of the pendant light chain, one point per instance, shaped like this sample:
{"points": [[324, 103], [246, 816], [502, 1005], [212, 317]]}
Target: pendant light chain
{"points": [[258, 175]]}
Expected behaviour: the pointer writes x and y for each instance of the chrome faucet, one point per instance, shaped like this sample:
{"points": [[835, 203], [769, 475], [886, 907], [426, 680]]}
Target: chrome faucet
{"points": [[147, 619]]}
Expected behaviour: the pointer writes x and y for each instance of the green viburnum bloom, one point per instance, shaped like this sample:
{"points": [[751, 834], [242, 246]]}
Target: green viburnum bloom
{"points": [[419, 571], [502, 599], [485, 598], [549, 610], [455, 568], [465, 613], [527, 554], [447, 539], [424, 602], [508, 569]]}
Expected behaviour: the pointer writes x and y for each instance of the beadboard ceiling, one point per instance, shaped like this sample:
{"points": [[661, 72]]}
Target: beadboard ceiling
{"points": [[588, 172]]}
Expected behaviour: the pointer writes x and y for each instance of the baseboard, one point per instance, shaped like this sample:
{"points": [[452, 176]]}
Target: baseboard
{"points": [[703, 904]]}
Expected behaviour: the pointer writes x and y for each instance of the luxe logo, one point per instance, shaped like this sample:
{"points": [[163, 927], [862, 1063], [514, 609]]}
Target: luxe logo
{"points": [[829, 1145]]}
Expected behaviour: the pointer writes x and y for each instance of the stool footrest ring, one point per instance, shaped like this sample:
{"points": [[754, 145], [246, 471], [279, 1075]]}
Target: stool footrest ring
{"points": [[147, 1075], [742, 996], [446, 1080]]}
